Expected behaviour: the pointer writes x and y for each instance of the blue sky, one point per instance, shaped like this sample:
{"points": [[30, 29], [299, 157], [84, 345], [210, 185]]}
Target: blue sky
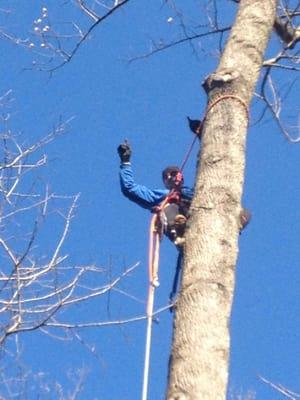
{"points": [[147, 102]]}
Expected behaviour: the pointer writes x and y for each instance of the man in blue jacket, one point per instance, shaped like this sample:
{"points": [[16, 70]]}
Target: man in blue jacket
{"points": [[174, 215], [175, 212]]}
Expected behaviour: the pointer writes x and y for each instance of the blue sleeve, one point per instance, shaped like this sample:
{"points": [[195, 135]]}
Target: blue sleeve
{"points": [[187, 193], [139, 194]]}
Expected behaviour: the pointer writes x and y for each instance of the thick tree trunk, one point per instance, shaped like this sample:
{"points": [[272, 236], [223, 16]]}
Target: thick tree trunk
{"points": [[199, 360]]}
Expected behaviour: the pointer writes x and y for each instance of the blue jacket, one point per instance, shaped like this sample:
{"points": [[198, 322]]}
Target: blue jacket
{"points": [[141, 195]]}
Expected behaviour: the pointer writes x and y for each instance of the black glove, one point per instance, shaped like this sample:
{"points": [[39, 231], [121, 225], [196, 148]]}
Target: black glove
{"points": [[195, 126], [124, 151]]}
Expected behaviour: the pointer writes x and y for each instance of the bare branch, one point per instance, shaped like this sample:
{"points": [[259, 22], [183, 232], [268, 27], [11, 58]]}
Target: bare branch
{"points": [[106, 323], [58, 130], [87, 10], [274, 105], [287, 33], [281, 389], [97, 20], [164, 46]]}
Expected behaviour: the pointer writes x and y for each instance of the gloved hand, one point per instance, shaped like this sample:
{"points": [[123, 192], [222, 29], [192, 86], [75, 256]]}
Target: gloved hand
{"points": [[124, 151], [195, 126]]}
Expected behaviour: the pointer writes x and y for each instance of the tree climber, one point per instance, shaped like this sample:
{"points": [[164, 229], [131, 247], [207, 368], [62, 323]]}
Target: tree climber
{"points": [[174, 213]]}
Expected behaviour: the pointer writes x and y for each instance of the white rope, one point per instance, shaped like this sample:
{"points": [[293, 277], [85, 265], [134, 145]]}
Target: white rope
{"points": [[153, 283], [148, 341]]}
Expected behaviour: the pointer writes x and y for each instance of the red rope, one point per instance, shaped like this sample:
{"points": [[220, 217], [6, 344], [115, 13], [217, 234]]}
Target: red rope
{"points": [[188, 153], [208, 109]]}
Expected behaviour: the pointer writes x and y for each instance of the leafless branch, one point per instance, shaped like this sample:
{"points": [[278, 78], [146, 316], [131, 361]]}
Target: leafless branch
{"points": [[158, 47], [51, 40], [106, 323], [270, 96], [97, 20], [58, 130], [289, 34], [40, 288], [281, 389]]}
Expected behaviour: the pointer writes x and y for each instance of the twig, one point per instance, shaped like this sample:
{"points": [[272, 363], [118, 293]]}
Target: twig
{"points": [[281, 389], [163, 47]]}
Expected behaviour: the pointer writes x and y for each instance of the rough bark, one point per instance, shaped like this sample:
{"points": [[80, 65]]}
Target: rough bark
{"points": [[199, 359]]}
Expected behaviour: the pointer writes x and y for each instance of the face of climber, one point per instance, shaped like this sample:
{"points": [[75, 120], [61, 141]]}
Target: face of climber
{"points": [[172, 178]]}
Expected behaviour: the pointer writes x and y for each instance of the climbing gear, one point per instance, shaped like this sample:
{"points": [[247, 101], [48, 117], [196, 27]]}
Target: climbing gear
{"points": [[124, 151], [179, 227], [173, 223], [194, 125]]}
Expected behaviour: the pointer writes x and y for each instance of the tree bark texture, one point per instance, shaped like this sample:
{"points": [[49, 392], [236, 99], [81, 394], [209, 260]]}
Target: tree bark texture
{"points": [[199, 361]]}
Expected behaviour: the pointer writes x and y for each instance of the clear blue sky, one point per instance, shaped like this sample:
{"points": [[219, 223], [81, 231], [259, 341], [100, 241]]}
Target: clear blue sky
{"points": [[147, 102]]}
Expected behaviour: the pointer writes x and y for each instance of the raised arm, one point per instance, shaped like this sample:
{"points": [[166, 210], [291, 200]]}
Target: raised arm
{"points": [[140, 194]]}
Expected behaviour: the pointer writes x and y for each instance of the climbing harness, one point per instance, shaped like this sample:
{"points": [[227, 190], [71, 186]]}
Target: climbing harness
{"points": [[156, 233]]}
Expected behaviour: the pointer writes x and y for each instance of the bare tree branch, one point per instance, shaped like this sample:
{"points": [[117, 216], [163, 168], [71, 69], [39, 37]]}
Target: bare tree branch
{"points": [[281, 389], [164, 46], [274, 105], [287, 33]]}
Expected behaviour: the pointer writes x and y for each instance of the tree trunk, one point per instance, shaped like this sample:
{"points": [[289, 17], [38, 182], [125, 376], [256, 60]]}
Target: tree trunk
{"points": [[199, 360]]}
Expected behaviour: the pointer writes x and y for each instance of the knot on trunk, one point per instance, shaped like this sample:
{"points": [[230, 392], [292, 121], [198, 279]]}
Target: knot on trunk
{"points": [[224, 82], [220, 80]]}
